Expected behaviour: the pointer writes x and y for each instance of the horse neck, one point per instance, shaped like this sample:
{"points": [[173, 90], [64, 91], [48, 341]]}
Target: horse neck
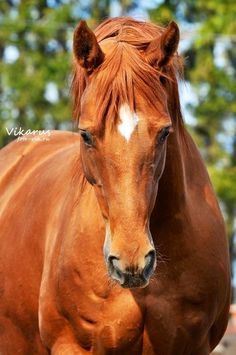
{"points": [[172, 191], [184, 179]]}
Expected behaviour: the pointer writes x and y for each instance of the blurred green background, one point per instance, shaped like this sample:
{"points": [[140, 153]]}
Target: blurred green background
{"points": [[35, 67]]}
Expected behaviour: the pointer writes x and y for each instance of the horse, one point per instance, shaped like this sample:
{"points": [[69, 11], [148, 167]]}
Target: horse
{"points": [[112, 240]]}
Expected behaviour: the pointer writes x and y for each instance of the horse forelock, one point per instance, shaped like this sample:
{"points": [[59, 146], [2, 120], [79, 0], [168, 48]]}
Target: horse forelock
{"points": [[124, 74]]}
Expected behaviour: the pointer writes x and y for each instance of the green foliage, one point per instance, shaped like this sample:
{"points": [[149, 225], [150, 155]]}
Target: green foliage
{"points": [[40, 37], [223, 183]]}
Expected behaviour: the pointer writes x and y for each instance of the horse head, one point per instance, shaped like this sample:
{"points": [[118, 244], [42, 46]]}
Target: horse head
{"points": [[124, 124]]}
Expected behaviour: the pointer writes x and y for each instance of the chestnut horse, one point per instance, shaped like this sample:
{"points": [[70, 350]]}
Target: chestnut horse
{"points": [[112, 241]]}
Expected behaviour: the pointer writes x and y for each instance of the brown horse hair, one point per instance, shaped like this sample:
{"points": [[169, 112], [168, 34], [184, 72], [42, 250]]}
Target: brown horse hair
{"points": [[125, 72]]}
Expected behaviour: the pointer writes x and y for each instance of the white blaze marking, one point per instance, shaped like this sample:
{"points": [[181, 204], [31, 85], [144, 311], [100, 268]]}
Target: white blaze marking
{"points": [[129, 121]]}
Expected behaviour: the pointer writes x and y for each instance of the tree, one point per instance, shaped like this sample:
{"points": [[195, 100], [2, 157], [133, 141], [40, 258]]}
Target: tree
{"points": [[35, 64]]}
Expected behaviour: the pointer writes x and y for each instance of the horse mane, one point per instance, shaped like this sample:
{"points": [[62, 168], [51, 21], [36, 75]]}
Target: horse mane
{"points": [[125, 72]]}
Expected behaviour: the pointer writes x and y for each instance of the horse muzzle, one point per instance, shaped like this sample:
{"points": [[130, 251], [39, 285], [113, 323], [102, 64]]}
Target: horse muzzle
{"points": [[132, 276]]}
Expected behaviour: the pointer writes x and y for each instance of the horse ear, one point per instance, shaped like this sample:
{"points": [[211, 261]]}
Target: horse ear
{"points": [[161, 49], [86, 48]]}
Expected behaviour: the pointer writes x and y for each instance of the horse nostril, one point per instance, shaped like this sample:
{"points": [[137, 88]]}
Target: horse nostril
{"points": [[113, 267], [113, 264], [150, 260], [112, 261]]}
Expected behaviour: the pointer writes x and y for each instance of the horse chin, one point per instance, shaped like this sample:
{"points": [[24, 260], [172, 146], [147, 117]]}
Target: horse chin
{"points": [[135, 286]]}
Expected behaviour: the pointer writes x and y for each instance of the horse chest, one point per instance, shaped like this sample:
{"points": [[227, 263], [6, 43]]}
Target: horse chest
{"points": [[112, 325], [144, 322], [123, 327]]}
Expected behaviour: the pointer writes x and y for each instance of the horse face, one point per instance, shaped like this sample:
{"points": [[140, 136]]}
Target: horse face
{"points": [[123, 159], [124, 166]]}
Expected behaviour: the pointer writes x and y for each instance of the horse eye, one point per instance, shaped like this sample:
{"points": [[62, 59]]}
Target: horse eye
{"points": [[163, 134], [87, 137]]}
